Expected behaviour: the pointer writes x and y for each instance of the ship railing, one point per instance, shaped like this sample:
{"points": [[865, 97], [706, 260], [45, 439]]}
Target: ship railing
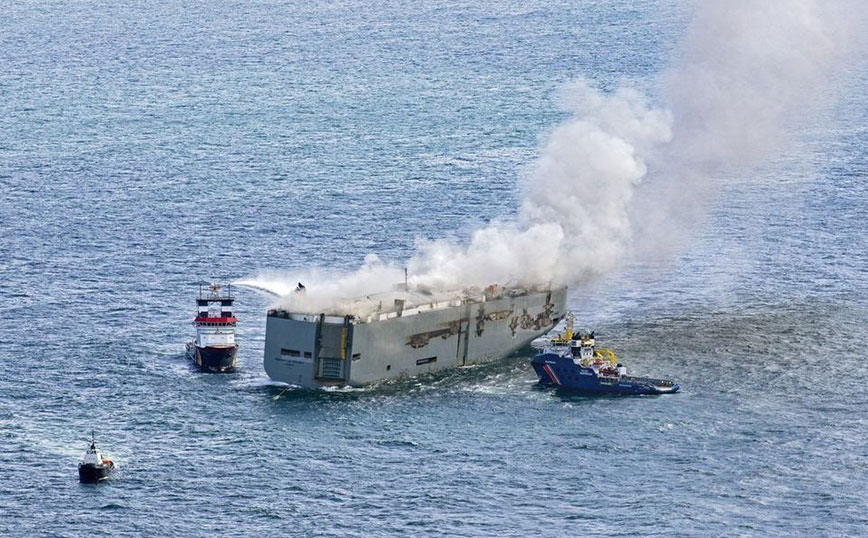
{"points": [[650, 381], [383, 316], [206, 291]]}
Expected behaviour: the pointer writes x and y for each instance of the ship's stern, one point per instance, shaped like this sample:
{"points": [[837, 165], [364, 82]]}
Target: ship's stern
{"points": [[307, 350]]}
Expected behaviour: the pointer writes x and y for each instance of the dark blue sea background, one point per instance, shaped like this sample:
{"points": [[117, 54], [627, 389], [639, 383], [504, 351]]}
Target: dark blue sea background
{"points": [[145, 146]]}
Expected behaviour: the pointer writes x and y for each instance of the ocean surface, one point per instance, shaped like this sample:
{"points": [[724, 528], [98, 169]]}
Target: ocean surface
{"points": [[146, 146]]}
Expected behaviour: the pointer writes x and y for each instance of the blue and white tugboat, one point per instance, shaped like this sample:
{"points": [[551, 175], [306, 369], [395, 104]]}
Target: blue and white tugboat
{"points": [[571, 361], [93, 466], [214, 349]]}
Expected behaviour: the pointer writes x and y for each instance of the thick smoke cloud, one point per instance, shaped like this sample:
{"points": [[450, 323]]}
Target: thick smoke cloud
{"points": [[574, 218], [622, 171], [749, 74], [750, 69]]}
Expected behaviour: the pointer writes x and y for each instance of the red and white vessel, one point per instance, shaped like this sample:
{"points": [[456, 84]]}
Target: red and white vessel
{"points": [[214, 349]]}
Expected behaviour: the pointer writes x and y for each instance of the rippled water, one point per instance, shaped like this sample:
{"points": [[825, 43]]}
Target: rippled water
{"points": [[147, 146]]}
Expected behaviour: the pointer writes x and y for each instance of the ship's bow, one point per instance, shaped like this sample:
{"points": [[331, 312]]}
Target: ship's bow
{"points": [[217, 359]]}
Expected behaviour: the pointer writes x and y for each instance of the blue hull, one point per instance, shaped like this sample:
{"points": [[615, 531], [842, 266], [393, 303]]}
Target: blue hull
{"points": [[560, 371]]}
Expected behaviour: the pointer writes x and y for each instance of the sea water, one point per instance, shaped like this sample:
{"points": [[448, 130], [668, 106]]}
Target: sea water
{"points": [[148, 146]]}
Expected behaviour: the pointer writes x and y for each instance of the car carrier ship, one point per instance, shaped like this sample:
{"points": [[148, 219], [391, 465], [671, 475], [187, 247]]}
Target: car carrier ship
{"points": [[405, 333]]}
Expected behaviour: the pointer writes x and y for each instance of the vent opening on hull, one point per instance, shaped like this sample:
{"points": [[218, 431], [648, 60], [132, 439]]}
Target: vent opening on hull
{"points": [[426, 360], [330, 368]]}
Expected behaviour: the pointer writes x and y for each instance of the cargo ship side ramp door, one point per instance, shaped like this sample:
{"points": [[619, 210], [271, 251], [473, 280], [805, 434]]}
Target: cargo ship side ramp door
{"points": [[330, 352]]}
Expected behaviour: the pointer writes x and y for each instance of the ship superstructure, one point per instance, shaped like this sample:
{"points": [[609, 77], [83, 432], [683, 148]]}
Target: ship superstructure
{"points": [[214, 348], [405, 333]]}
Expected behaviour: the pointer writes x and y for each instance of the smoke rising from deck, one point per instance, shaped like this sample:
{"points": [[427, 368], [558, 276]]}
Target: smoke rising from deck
{"points": [[326, 290], [574, 218], [622, 171]]}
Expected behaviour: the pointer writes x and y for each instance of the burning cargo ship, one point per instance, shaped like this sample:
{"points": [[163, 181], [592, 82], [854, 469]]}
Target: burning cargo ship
{"points": [[405, 333]]}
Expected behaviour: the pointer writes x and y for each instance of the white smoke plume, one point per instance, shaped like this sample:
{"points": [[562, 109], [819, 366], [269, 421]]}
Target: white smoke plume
{"points": [[747, 70], [573, 222], [750, 69], [749, 74], [574, 218], [325, 289]]}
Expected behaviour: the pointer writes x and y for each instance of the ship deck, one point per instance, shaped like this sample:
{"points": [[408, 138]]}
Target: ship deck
{"points": [[398, 303]]}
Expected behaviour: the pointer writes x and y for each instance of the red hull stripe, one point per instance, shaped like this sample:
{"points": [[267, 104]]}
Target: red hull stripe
{"points": [[551, 374], [233, 319]]}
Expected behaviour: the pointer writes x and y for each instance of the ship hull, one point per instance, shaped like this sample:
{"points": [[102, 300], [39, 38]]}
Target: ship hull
{"points": [[91, 474], [213, 358], [317, 350]]}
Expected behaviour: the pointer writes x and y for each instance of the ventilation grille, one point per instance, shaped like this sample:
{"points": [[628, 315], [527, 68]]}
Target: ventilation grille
{"points": [[331, 368]]}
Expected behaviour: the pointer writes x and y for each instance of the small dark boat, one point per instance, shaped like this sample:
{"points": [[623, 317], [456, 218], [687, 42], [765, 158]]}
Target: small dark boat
{"points": [[573, 362], [94, 467]]}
